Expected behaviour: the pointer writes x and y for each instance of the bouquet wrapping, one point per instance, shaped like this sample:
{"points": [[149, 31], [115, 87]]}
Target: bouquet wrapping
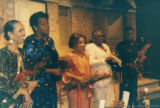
{"points": [[88, 81]]}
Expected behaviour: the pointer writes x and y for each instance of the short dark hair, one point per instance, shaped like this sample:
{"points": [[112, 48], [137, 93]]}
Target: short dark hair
{"points": [[34, 18], [9, 27], [74, 38]]}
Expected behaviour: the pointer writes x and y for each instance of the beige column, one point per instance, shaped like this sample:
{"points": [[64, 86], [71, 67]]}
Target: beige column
{"points": [[55, 29], [3, 19]]}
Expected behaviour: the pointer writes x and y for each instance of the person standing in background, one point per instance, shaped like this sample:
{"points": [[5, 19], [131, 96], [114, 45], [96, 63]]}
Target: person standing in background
{"points": [[127, 51]]}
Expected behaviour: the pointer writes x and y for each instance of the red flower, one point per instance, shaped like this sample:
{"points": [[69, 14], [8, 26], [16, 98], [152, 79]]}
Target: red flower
{"points": [[41, 65], [36, 66], [69, 60]]}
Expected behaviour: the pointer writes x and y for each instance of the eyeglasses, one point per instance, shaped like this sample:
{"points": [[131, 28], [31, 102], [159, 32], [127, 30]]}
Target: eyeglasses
{"points": [[99, 35]]}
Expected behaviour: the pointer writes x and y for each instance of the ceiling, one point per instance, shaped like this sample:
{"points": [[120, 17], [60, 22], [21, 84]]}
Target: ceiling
{"points": [[120, 4]]}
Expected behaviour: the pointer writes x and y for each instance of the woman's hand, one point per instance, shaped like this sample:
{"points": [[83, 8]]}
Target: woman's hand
{"points": [[57, 72], [32, 86], [80, 79], [27, 97]]}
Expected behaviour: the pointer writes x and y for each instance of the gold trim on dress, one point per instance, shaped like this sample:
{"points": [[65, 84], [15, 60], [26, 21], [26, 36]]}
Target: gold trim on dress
{"points": [[3, 75]]}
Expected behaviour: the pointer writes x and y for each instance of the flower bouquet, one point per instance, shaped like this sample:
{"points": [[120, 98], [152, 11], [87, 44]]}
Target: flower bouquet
{"points": [[28, 75], [96, 78], [115, 69], [63, 64], [90, 80]]}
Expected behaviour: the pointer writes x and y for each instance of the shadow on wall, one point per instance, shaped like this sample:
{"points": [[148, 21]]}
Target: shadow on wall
{"points": [[110, 19]]}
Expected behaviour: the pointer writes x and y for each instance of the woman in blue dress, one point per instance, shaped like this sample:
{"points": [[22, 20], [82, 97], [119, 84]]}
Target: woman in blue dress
{"points": [[39, 47]]}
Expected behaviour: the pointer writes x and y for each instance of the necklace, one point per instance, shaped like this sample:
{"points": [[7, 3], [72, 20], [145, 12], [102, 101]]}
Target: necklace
{"points": [[20, 64]]}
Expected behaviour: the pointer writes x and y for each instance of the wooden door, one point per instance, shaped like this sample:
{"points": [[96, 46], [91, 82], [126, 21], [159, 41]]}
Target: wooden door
{"points": [[64, 25]]}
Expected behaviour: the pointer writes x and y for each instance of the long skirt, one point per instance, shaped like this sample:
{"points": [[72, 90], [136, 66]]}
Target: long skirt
{"points": [[78, 99], [103, 90]]}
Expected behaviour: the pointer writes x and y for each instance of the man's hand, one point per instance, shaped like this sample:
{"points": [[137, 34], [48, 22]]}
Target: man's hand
{"points": [[142, 59]]}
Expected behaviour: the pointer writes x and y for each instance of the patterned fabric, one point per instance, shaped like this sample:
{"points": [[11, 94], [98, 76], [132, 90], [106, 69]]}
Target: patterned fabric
{"points": [[8, 71], [80, 67], [36, 51]]}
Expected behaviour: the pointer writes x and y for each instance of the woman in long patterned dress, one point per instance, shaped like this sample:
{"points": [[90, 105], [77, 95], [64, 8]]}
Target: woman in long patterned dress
{"points": [[11, 64], [80, 69], [39, 47]]}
